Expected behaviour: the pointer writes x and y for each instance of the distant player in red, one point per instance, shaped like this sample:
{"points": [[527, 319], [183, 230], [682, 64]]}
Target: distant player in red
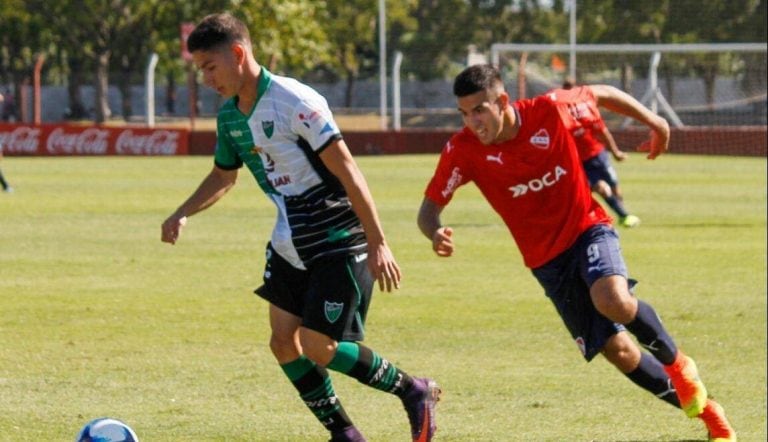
{"points": [[593, 139], [524, 160]]}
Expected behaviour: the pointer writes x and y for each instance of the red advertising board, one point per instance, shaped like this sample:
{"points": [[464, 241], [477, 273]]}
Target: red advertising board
{"points": [[59, 139]]}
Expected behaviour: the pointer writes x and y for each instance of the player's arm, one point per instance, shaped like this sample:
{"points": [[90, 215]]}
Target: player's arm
{"points": [[605, 137], [430, 225], [620, 102], [211, 189], [381, 261]]}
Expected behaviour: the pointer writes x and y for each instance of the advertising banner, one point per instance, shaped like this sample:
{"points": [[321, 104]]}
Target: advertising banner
{"points": [[58, 139]]}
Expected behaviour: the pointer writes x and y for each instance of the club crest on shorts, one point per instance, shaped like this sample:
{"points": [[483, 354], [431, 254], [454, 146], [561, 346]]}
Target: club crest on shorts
{"points": [[582, 345], [333, 311]]}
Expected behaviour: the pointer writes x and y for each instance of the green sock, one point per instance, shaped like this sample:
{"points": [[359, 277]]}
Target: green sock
{"points": [[315, 388], [369, 368]]}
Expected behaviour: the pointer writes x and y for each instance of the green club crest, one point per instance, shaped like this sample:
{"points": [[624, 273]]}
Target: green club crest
{"points": [[333, 311], [269, 128]]}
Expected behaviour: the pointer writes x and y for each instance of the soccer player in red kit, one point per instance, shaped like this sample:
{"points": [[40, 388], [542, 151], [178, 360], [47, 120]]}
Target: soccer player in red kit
{"points": [[593, 141], [523, 159]]}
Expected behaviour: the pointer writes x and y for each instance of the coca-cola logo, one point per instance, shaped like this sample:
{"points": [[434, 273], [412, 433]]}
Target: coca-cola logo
{"points": [[91, 141], [158, 142], [22, 139]]}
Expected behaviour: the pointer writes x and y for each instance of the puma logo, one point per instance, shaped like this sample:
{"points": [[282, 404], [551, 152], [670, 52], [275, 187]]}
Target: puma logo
{"points": [[496, 158]]}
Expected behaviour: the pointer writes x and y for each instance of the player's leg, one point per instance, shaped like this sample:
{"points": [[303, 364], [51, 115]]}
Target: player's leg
{"points": [[603, 179], [333, 324], [640, 367], [603, 189], [283, 288], [612, 298], [592, 331], [310, 379], [604, 269], [4, 183]]}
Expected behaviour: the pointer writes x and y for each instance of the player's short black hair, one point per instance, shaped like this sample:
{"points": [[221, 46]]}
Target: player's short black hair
{"points": [[216, 30], [569, 83], [476, 78]]}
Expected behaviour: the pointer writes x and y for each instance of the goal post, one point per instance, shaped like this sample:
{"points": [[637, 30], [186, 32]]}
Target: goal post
{"points": [[699, 84]]}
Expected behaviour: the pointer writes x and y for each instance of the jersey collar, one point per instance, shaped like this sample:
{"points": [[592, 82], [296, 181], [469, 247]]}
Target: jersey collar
{"points": [[265, 79]]}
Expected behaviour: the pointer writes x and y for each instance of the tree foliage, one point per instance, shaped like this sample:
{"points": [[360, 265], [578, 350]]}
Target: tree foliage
{"points": [[90, 41]]}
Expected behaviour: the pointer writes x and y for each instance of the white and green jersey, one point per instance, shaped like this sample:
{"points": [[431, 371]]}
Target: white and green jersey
{"points": [[280, 141]]}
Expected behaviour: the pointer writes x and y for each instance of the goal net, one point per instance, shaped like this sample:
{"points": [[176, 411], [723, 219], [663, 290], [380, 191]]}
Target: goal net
{"points": [[720, 88]]}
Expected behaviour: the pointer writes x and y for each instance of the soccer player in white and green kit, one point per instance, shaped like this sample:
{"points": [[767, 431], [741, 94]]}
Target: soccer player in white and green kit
{"points": [[327, 247]]}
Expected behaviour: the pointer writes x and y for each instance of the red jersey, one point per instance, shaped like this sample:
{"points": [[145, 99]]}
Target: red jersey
{"points": [[583, 107], [534, 181]]}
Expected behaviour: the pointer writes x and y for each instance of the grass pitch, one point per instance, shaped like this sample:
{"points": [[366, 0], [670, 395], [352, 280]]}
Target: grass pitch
{"points": [[99, 318]]}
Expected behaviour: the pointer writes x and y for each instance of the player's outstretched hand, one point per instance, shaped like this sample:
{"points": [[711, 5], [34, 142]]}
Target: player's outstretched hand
{"points": [[659, 140], [442, 241], [171, 228], [619, 155], [383, 267]]}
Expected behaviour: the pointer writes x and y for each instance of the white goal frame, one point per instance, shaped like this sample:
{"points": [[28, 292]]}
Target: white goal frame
{"points": [[653, 96]]}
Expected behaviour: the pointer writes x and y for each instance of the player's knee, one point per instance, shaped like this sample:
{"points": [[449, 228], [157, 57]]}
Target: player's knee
{"points": [[613, 300], [284, 347], [622, 352], [317, 347], [603, 189]]}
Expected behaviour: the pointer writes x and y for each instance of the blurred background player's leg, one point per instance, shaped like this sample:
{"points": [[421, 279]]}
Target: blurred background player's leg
{"points": [[6, 187]]}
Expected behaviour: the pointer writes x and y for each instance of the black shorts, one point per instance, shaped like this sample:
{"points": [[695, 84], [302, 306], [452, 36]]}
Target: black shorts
{"points": [[599, 168], [566, 280], [331, 297]]}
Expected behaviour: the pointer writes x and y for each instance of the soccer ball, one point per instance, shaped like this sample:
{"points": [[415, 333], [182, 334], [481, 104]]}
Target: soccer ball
{"points": [[105, 429]]}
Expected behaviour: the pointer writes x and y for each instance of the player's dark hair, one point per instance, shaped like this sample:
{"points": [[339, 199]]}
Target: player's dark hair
{"points": [[217, 30], [476, 78], [569, 83]]}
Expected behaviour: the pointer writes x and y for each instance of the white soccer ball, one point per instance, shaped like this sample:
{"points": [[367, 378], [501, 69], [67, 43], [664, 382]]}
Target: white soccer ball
{"points": [[105, 429]]}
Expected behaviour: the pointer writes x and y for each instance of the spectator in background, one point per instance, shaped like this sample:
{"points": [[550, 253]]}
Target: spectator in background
{"points": [[592, 137]]}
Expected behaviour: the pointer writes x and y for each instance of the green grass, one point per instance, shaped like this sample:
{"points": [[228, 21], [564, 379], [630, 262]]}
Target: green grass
{"points": [[98, 317]]}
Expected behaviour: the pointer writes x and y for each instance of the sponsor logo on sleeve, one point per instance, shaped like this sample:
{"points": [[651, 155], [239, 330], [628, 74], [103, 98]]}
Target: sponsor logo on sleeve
{"points": [[307, 120], [453, 182], [326, 128]]}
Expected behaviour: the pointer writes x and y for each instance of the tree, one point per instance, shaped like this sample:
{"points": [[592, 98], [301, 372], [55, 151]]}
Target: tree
{"points": [[140, 19], [714, 22], [353, 38], [443, 33], [70, 28], [283, 37], [167, 41], [23, 37]]}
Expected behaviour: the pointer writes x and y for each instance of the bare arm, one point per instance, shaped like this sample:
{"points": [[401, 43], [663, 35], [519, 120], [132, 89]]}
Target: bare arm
{"points": [[620, 102], [605, 137], [381, 261], [211, 189], [430, 226]]}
